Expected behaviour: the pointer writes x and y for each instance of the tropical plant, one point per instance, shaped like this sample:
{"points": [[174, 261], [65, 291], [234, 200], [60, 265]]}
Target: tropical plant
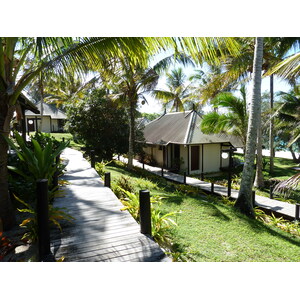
{"points": [[234, 121], [30, 223], [100, 167], [40, 163]]}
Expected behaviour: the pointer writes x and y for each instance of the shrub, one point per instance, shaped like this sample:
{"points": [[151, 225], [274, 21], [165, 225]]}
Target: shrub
{"points": [[100, 167]]}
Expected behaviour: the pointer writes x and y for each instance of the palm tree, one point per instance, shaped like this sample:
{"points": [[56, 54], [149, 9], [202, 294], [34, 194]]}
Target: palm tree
{"points": [[234, 121], [129, 85], [244, 202], [288, 115], [177, 93]]}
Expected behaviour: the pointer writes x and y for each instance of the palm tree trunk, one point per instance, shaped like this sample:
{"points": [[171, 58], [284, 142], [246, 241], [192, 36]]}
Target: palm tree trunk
{"points": [[271, 135], [42, 104], [259, 177], [244, 200], [131, 135], [7, 214]]}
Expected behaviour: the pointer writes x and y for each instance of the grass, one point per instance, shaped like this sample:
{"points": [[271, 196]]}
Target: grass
{"points": [[208, 230], [68, 136]]}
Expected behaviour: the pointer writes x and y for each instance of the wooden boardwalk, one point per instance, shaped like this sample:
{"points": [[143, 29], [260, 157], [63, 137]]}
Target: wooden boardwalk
{"points": [[100, 231], [279, 208]]}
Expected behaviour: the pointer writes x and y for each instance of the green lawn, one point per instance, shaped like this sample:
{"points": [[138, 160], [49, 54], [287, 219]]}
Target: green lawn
{"points": [[68, 136], [209, 230]]}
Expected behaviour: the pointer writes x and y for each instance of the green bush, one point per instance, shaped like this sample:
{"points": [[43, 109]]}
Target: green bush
{"points": [[100, 168]]}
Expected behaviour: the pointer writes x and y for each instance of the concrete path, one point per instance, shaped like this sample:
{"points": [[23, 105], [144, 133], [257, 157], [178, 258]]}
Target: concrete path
{"points": [[279, 208], [100, 231]]}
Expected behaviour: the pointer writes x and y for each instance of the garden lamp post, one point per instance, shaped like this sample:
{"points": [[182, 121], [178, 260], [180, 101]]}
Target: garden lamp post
{"points": [[225, 154]]}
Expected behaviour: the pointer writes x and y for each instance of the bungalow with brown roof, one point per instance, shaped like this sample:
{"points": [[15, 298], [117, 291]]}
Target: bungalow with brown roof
{"points": [[175, 141]]}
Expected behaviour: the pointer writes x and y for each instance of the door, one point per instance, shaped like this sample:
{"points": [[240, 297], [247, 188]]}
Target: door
{"points": [[30, 124], [195, 158], [176, 157]]}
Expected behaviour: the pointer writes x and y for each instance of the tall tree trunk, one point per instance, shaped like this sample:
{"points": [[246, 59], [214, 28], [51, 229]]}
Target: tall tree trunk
{"points": [[271, 135], [131, 134], [244, 200], [7, 214], [295, 159], [259, 177], [42, 104]]}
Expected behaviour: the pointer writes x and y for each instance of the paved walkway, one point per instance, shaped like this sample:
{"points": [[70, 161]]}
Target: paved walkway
{"points": [[281, 208], [100, 231]]}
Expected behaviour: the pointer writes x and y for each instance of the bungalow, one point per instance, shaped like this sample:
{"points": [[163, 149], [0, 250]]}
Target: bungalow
{"points": [[53, 119], [175, 141]]}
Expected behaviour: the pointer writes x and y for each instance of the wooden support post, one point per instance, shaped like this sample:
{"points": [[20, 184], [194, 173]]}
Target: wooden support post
{"points": [[93, 158], [143, 166], [253, 198], [43, 219], [162, 171], [271, 191], [118, 156], [297, 212], [107, 179], [212, 187], [145, 212], [63, 139], [202, 176], [184, 178]]}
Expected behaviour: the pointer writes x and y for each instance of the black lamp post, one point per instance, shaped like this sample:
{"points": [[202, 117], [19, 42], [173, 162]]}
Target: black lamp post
{"points": [[225, 154]]}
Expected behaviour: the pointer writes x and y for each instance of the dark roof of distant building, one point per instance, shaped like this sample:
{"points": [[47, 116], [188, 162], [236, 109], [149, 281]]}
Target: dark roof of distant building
{"points": [[183, 128], [49, 110]]}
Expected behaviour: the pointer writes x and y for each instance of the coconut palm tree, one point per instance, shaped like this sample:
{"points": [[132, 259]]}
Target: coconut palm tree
{"points": [[177, 93], [288, 115], [129, 85], [244, 203], [234, 121]]}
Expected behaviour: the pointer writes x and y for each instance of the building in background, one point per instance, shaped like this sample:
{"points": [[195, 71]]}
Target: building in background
{"points": [[53, 119], [175, 141]]}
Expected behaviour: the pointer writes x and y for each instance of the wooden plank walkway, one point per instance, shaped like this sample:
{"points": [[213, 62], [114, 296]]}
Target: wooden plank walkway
{"points": [[100, 231], [279, 208]]}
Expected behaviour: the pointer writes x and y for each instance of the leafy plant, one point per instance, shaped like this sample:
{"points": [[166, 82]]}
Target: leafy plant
{"points": [[161, 223], [30, 223], [100, 167], [125, 183], [40, 162], [131, 203]]}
